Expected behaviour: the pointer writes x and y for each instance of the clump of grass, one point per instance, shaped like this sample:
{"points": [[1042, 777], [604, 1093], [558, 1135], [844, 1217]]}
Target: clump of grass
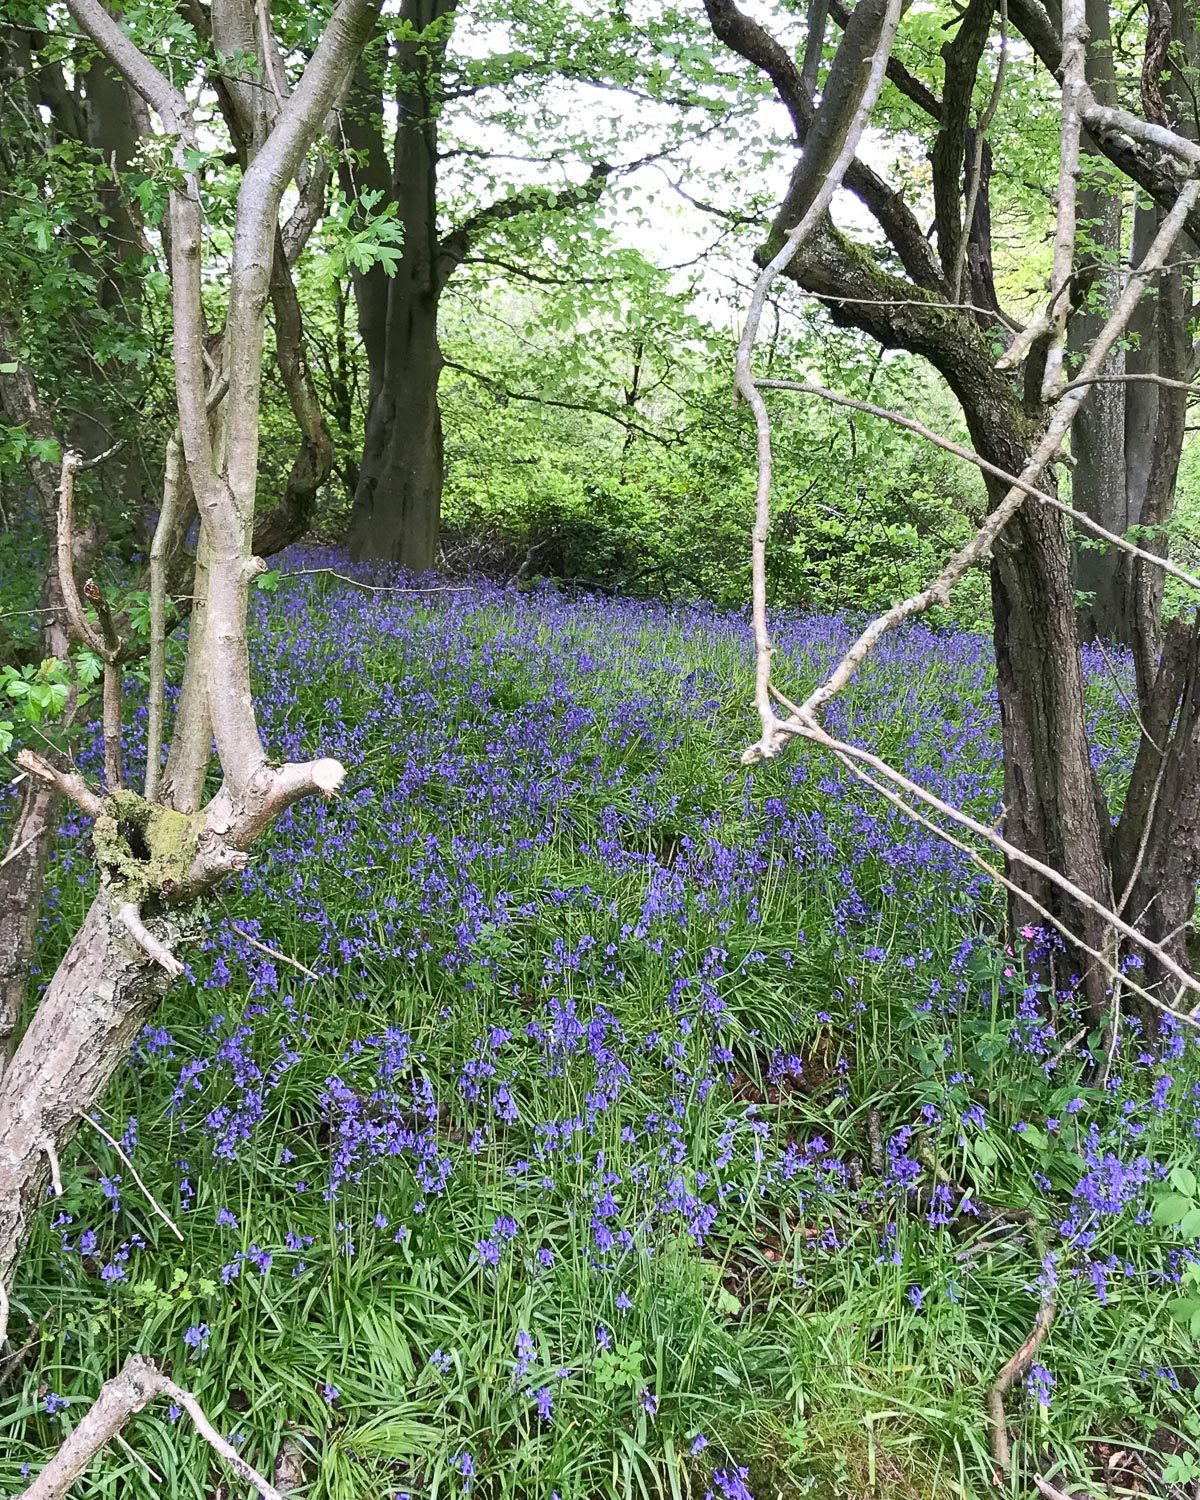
{"points": [[643, 1124]]}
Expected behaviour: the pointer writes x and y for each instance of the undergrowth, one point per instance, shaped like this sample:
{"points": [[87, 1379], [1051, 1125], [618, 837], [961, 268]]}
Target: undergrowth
{"points": [[644, 1131]]}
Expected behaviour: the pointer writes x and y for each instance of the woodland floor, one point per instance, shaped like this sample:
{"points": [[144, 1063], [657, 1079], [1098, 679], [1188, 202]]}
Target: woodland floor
{"points": [[599, 1160]]}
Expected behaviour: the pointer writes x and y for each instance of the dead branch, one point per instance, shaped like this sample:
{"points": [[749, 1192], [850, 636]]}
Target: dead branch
{"points": [[69, 783], [166, 536], [775, 733], [127, 1393], [149, 1196], [271, 952], [111, 716], [1011, 1371], [848, 754], [744, 377], [1080, 518]]}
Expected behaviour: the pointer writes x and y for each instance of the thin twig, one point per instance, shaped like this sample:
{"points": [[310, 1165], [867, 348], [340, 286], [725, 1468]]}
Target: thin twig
{"points": [[848, 753], [150, 1198], [382, 588], [271, 952], [910, 424]]}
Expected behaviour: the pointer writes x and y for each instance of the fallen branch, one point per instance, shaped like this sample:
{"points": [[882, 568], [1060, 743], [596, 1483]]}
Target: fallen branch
{"points": [[139, 1382], [1011, 1371], [150, 1198]]}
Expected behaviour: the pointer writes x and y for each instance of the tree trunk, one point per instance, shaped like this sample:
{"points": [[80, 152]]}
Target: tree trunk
{"points": [[398, 497], [95, 1005]]}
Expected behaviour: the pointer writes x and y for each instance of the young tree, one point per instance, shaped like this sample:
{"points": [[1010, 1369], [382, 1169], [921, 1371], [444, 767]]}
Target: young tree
{"points": [[1068, 863], [157, 854]]}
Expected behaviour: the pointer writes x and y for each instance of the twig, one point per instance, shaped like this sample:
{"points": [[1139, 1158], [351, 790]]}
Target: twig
{"points": [[271, 952], [1064, 1049], [130, 917], [808, 388], [150, 1198], [1010, 1371], [382, 588], [19, 850], [111, 721]]}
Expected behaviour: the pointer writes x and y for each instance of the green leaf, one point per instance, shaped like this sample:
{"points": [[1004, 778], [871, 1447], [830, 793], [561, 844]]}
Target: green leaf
{"points": [[1183, 1180], [1170, 1208]]}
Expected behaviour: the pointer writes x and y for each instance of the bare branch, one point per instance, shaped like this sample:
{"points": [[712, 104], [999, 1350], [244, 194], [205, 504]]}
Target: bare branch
{"points": [[1011, 1371], [1080, 518], [71, 462], [166, 535], [69, 783], [938, 592], [811, 215], [139, 1382], [130, 917], [854, 753]]}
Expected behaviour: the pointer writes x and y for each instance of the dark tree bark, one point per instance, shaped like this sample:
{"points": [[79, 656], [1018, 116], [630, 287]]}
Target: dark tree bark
{"points": [[396, 513], [1054, 809], [397, 501]]}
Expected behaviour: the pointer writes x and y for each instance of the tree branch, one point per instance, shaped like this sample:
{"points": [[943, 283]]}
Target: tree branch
{"points": [[959, 451], [131, 1391]]}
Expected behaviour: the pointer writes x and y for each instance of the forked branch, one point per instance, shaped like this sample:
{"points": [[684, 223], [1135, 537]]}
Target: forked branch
{"points": [[121, 1398]]}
